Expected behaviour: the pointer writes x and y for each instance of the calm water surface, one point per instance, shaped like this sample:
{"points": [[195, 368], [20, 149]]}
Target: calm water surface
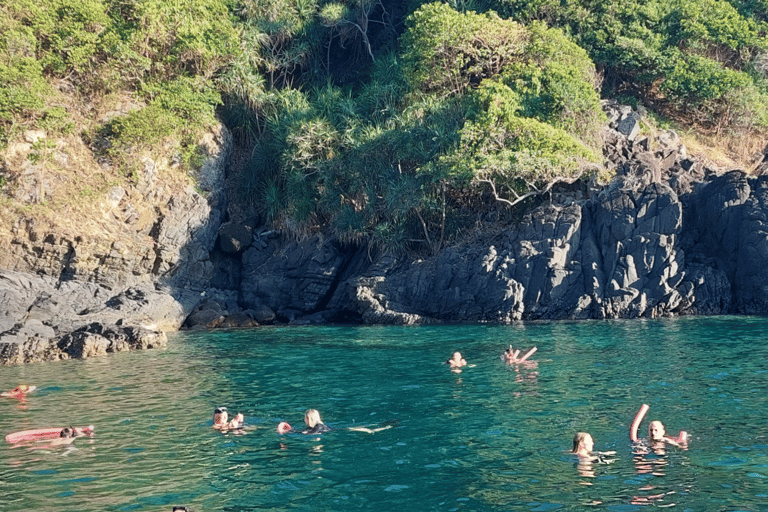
{"points": [[491, 438]]}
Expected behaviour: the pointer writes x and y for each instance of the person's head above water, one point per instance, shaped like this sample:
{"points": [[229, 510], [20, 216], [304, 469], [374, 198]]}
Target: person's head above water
{"points": [[582, 443], [220, 416], [456, 360], [656, 431], [312, 418], [284, 427], [67, 432]]}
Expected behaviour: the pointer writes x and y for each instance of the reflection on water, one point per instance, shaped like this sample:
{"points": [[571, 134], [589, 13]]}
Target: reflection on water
{"points": [[494, 438]]}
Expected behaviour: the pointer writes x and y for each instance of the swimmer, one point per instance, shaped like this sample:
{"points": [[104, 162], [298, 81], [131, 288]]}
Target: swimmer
{"points": [[456, 361], [656, 431], [510, 355], [68, 435], [284, 427], [583, 447], [221, 417], [20, 392], [314, 423]]}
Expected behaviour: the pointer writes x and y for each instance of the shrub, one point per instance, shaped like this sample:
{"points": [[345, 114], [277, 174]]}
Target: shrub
{"points": [[177, 109], [516, 154], [68, 32], [447, 52], [696, 79], [195, 37]]}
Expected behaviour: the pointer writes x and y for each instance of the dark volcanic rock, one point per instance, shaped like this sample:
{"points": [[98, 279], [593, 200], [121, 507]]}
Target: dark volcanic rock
{"points": [[235, 236], [87, 341], [668, 236]]}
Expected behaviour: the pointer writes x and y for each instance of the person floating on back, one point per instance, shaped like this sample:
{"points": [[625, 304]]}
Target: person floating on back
{"points": [[68, 434]]}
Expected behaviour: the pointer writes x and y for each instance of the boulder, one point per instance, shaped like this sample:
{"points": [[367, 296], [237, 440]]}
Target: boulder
{"points": [[235, 237]]}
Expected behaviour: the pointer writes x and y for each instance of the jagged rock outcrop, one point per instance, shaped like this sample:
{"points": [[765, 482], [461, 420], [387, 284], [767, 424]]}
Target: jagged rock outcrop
{"points": [[668, 236], [621, 255], [293, 278], [144, 264], [87, 341]]}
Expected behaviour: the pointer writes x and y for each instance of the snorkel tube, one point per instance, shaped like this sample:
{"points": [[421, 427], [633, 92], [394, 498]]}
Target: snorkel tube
{"points": [[638, 419]]}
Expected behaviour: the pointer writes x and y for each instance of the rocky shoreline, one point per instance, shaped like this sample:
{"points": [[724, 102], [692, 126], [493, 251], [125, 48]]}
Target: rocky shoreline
{"points": [[668, 236]]}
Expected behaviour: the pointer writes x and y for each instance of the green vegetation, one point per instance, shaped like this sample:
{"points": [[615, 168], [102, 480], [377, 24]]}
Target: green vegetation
{"points": [[377, 121], [692, 59], [164, 53]]}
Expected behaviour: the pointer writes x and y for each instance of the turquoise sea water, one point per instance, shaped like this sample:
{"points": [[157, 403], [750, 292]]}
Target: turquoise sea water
{"points": [[491, 438]]}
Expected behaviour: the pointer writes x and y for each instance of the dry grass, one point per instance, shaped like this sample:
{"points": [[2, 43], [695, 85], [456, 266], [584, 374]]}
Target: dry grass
{"points": [[720, 150], [728, 151], [78, 184]]}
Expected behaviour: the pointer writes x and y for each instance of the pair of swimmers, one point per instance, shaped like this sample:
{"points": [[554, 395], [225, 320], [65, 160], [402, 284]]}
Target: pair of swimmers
{"points": [[510, 356], [583, 444], [52, 435], [221, 420], [312, 420]]}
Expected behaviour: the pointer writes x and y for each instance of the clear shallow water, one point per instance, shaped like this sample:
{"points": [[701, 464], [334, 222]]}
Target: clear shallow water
{"points": [[487, 439]]}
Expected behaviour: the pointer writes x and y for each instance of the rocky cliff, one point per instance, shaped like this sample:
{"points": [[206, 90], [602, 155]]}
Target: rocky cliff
{"points": [[667, 236], [116, 277]]}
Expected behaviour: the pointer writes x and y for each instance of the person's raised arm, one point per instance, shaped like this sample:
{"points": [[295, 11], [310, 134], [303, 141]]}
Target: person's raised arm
{"points": [[681, 441], [638, 419]]}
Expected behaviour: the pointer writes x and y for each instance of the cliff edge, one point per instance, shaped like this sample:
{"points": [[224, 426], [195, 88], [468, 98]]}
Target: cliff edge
{"points": [[668, 236]]}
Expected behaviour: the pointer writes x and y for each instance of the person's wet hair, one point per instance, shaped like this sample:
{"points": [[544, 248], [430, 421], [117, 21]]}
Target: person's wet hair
{"points": [[312, 417], [578, 439], [67, 432]]}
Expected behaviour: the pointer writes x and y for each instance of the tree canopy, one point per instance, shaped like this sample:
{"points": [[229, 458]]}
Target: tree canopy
{"points": [[377, 121]]}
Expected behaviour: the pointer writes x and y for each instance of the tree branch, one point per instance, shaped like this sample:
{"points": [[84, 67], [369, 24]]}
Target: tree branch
{"points": [[535, 192], [423, 226]]}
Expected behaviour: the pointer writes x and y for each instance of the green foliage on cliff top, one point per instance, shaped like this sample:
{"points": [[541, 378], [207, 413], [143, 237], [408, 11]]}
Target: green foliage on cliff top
{"points": [[472, 103], [695, 57], [164, 52], [381, 121]]}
